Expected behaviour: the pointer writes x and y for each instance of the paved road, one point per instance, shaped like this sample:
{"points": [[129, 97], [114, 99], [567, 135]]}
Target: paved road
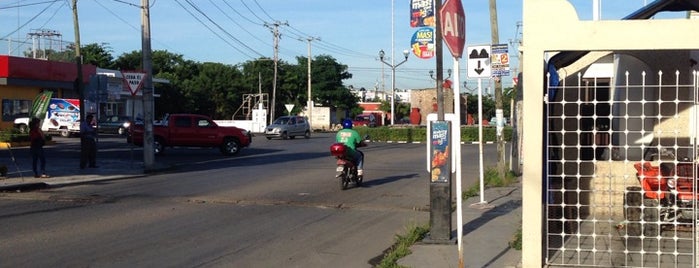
{"points": [[275, 204]]}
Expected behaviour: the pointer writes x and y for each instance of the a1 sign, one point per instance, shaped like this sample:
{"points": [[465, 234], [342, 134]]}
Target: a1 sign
{"points": [[134, 80], [453, 21]]}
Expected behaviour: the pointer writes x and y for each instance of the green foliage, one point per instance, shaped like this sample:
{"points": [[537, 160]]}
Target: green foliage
{"points": [[410, 133], [98, 55], [491, 179], [217, 89], [516, 241], [489, 104], [401, 247], [13, 135], [402, 109]]}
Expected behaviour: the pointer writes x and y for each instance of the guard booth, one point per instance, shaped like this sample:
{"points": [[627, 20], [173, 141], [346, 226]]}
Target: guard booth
{"points": [[610, 172]]}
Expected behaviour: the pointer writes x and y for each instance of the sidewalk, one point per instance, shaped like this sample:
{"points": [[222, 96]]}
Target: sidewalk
{"points": [[485, 237], [66, 171]]}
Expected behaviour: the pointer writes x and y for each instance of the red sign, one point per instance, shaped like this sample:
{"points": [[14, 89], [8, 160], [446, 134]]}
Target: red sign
{"points": [[453, 21]]}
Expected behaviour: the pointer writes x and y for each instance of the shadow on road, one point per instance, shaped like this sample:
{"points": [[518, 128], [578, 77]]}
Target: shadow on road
{"points": [[377, 182]]}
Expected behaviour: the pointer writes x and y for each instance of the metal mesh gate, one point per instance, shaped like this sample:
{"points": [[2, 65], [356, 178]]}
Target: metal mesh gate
{"points": [[620, 189]]}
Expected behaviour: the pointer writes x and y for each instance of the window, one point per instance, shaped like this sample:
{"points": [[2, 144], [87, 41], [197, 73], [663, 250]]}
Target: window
{"points": [[203, 123], [183, 122], [12, 109]]}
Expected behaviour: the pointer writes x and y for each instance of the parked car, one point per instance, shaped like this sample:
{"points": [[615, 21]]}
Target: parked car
{"points": [[288, 127], [115, 124], [368, 120]]}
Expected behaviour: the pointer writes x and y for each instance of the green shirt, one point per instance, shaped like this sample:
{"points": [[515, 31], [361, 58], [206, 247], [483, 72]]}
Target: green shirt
{"points": [[349, 137]]}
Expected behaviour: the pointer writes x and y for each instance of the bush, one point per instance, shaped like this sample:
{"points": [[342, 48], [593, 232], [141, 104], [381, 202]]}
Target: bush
{"points": [[419, 133], [13, 135]]}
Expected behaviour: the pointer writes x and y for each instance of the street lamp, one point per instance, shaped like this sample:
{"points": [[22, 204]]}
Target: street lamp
{"points": [[432, 74], [382, 54]]}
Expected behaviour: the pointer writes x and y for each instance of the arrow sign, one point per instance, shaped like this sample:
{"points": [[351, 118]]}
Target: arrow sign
{"points": [[478, 63], [453, 21], [134, 80]]}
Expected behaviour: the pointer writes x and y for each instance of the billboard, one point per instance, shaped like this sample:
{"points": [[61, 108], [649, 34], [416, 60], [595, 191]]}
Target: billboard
{"points": [[422, 43], [422, 13]]}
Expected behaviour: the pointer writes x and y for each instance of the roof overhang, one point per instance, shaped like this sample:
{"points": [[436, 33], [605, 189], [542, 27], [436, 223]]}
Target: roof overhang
{"points": [[567, 58]]}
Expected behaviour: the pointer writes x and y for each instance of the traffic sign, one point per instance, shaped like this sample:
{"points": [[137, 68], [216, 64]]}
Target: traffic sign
{"points": [[478, 63], [289, 107], [453, 21], [134, 80]]}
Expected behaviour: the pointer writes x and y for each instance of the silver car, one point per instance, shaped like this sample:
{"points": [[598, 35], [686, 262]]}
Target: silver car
{"points": [[286, 127]]}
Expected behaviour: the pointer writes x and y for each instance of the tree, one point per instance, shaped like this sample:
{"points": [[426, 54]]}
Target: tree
{"points": [[99, 55], [488, 107], [213, 91], [328, 90], [402, 109]]}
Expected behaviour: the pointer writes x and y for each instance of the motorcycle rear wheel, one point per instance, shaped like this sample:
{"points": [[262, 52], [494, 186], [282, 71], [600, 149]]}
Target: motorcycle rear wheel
{"points": [[344, 183], [341, 176]]}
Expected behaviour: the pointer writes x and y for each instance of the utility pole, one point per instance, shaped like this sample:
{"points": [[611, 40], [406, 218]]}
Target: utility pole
{"points": [[494, 35], [274, 27], [78, 61], [147, 91], [310, 96], [440, 193]]}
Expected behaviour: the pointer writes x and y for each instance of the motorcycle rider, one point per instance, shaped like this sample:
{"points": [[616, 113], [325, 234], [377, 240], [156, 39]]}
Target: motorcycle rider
{"points": [[352, 140]]}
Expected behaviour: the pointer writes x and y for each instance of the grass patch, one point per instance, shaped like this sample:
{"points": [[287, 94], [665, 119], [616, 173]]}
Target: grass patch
{"points": [[491, 179], [516, 242], [403, 242], [401, 247]]}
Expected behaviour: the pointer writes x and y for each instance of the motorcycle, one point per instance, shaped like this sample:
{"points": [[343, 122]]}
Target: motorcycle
{"points": [[346, 171], [664, 198]]}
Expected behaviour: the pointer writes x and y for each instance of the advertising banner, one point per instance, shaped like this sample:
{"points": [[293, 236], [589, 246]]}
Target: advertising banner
{"points": [[64, 112], [40, 104], [440, 158], [422, 13], [500, 60], [422, 43]]}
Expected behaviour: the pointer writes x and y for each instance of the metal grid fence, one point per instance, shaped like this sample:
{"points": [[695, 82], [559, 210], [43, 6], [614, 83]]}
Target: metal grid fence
{"points": [[620, 186]]}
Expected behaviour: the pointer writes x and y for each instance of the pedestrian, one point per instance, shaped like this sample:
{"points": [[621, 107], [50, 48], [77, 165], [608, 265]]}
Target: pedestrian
{"points": [[88, 144], [36, 148]]}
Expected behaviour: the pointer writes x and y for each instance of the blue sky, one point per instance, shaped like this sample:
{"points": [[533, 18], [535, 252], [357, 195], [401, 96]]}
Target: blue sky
{"points": [[233, 31]]}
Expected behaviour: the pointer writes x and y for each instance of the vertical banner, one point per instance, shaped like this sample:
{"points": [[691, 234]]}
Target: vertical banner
{"points": [[440, 158], [41, 104], [422, 13]]}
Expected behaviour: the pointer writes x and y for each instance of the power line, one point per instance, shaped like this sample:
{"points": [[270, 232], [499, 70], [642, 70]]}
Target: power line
{"points": [[211, 30], [236, 23], [53, 15], [135, 28], [31, 4], [30, 20], [220, 28], [253, 12], [130, 4], [263, 10], [241, 15]]}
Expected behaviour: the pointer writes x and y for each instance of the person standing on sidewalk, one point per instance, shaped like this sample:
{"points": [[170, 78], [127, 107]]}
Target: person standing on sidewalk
{"points": [[36, 148], [88, 148]]}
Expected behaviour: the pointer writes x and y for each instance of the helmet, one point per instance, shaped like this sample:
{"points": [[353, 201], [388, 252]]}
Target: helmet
{"points": [[347, 123]]}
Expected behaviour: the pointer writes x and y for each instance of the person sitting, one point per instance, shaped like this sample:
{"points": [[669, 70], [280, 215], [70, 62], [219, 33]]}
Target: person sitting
{"points": [[352, 140]]}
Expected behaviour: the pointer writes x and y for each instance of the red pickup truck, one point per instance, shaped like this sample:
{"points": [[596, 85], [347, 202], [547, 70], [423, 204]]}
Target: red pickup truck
{"points": [[193, 130]]}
